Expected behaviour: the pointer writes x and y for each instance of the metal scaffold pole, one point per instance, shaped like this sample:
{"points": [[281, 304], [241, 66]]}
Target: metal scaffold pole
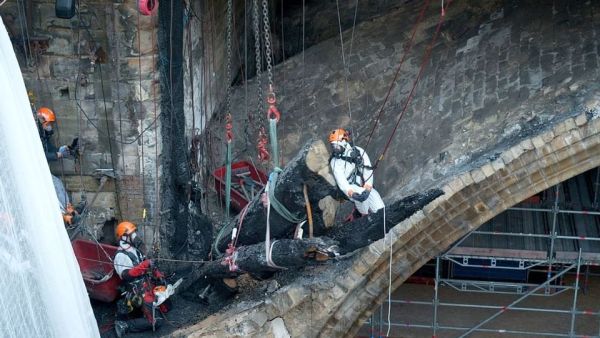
{"points": [[508, 307], [436, 295], [549, 245], [574, 308], [553, 233]]}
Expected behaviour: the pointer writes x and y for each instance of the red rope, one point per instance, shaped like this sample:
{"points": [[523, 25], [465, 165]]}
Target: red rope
{"points": [[416, 81], [407, 49]]}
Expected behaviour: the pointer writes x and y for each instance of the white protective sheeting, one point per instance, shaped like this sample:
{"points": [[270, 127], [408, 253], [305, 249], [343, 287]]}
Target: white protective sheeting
{"points": [[41, 289]]}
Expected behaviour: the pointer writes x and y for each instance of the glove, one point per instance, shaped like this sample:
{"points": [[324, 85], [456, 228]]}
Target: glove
{"points": [[67, 219], [140, 269], [158, 275], [63, 151], [362, 196]]}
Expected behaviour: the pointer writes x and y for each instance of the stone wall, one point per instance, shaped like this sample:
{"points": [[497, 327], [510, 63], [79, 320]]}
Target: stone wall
{"points": [[498, 71], [97, 72]]}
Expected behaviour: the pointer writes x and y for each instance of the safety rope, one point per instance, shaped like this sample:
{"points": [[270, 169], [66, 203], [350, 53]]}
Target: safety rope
{"points": [[142, 150], [415, 82], [345, 68], [407, 49]]}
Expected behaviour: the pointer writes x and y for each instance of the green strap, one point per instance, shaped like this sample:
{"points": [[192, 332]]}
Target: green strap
{"points": [[228, 180], [273, 137], [280, 208]]}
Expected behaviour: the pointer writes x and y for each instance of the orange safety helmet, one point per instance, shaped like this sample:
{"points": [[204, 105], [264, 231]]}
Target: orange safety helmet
{"points": [[338, 135], [125, 228], [47, 114]]}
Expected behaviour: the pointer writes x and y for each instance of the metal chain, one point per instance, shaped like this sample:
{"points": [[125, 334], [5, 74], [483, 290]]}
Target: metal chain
{"points": [[257, 53], [229, 79], [268, 42]]}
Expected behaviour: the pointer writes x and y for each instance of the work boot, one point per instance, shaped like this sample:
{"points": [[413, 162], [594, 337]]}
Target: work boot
{"points": [[120, 328]]}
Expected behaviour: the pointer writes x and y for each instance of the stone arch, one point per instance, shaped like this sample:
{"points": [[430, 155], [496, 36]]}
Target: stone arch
{"points": [[338, 308], [570, 148]]}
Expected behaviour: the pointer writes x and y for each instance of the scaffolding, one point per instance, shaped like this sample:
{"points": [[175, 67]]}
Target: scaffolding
{"points": [[540, 252]]}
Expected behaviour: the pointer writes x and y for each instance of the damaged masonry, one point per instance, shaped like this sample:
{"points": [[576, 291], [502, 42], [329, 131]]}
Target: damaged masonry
{"points": [[283, 168]]}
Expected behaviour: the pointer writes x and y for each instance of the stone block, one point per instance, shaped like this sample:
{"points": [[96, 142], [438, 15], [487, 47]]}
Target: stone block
{"points": [[452, 213], [558, 143], [516, 150], [447, 190], [456, 184], [488, 170], [548, 136], [467, 179], [507, 157], [288, 297], [581, 120], [575, 136], [278, 328], [528, 158], [560, 128], [538, 142], [498, 164], [527, 144], [478, 175]]}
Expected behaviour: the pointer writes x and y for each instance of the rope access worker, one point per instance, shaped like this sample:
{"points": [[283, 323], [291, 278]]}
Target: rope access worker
{"points": [[139, 279], [353, 173], [46, 120]]}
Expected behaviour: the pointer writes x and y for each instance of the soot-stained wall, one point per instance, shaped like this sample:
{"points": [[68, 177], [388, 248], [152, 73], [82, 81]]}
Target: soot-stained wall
{"points": [[97, 71]]}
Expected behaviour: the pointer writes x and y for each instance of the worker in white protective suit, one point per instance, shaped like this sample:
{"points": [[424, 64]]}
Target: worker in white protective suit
{"points": [[353, 173]]}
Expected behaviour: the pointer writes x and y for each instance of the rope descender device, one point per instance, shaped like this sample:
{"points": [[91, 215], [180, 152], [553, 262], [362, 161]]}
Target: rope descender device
{"points": [[228, 128], [272, 112]]}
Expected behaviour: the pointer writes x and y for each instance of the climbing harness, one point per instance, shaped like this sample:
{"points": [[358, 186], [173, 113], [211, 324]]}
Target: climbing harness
{"points": [[356, 158]]}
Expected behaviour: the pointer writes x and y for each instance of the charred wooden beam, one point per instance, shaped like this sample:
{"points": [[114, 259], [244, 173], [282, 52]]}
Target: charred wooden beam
{"points": [[310, 167]]}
